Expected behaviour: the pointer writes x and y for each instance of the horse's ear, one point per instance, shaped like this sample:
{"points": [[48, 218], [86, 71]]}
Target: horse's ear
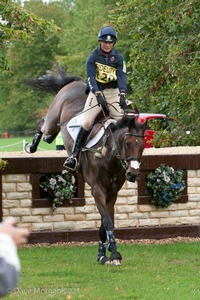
{"points": [[142, 122], [130, 108]]}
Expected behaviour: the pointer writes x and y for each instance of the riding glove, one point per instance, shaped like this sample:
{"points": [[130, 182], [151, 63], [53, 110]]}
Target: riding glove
{"points": [[122, 100], [100, 99]]}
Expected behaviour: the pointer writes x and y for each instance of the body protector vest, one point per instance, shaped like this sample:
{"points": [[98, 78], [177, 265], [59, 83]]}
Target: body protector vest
{"points": [[106, 72]]}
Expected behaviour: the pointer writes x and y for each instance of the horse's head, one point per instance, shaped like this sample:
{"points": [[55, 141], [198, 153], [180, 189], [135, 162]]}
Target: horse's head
{"points": [[133, 146]]}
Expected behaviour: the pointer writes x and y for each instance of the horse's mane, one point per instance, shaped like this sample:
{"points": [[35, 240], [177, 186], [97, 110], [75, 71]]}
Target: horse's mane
{"points": [[123, 122], [52, 83]]}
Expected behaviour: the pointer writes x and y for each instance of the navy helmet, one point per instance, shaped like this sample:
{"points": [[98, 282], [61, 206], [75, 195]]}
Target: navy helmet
{"points": [[107, 34]]}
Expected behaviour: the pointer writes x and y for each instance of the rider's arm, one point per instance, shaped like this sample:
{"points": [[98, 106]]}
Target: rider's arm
{"points": [[121, 74], [91, 73]]}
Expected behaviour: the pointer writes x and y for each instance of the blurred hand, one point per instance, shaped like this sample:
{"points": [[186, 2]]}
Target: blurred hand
{"points": [[101, 99], [18, 235], [122, 100]]}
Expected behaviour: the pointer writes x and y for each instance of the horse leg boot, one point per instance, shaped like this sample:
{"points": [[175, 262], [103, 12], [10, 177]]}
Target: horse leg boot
{"points": [[115, 258], [102, 258], [71, 161], [31, 148], [50, 138]]}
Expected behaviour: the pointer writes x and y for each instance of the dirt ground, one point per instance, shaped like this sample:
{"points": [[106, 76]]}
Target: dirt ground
{"points": [[133, 242]]}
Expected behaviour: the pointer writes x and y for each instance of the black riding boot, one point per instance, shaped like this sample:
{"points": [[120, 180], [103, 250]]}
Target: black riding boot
{"points": [[71, 161]]}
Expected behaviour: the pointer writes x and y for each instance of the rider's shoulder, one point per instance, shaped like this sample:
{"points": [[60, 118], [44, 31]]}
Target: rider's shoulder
{"points": [[92, 55], [117, 53]]}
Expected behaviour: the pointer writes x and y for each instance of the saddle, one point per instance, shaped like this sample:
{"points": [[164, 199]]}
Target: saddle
{"points": [[97, 131]]}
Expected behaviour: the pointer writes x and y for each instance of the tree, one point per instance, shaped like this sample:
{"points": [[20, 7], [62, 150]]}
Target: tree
{"points": [[164, 55], [27, 60], [79, 38], [79, 23], [18, 24]]}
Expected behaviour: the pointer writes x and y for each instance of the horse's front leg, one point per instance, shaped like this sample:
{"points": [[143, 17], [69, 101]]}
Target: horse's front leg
{"points": [[32, 147], [115, 257], [102, 258], [106, 231]]}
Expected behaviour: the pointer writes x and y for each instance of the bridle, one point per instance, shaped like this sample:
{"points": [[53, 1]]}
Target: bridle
{"points": [[135, 134], [131, 158]]}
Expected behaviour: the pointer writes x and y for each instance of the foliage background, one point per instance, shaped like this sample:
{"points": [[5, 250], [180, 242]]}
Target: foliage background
{"points": [[159, 40]]}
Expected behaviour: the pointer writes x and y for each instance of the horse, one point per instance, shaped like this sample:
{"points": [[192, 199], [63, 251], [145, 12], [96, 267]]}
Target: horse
{"points": [[114, 158]]}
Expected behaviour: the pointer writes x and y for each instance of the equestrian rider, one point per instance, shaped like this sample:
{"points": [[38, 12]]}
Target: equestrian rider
{"points": [[106, 74]]}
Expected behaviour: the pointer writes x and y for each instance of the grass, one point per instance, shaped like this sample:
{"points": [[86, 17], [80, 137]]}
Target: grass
{"points": [[162, 271], [148, 272], [16, 144]]}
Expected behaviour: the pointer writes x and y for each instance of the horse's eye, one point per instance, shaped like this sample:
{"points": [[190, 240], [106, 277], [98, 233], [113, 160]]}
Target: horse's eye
{"points": [[127, 144]]}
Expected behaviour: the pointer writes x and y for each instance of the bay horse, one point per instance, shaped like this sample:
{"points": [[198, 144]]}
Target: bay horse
{"points": [[115, 158]]}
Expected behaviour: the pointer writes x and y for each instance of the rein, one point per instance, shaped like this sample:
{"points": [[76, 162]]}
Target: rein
{"points": [[135, 134]]}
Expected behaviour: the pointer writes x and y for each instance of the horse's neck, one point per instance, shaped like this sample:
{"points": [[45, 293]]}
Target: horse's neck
{"points": [[117, 141]]}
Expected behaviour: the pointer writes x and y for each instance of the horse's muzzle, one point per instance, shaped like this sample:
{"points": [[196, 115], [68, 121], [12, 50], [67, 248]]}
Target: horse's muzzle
{"points": [[133, 170], [131, 176]]}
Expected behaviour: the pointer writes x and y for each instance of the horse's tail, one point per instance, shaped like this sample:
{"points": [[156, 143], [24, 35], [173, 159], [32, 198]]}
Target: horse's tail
{"points": [[52, 83]]}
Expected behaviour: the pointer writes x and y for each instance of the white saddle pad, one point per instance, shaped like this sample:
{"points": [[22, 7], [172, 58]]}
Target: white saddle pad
{"points": [[76, 122]]}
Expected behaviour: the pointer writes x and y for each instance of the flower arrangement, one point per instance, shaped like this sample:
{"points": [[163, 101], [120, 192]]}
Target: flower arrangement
{"points": [[3, 164], [164, 185], [60, 187]]}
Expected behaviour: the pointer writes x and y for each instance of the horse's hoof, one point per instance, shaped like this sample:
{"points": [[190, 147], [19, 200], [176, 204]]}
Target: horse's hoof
{"points": [[115, 262], [115, 259], [27, 148]]}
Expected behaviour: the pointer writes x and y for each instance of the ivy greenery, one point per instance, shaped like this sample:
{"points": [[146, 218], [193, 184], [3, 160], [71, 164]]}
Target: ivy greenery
{"points": [[19, 24], [164, 185], [164, 50], [59, 187], [3, 164]]}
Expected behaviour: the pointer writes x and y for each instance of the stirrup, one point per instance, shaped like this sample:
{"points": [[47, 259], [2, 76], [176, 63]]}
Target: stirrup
{"points": [[75, 163]]}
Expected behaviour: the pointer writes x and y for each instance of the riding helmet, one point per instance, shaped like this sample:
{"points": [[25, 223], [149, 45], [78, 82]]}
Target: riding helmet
{"points": [[107, 34]]}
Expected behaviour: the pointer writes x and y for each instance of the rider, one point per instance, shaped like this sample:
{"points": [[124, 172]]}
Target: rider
{"points": [[106, 73]]}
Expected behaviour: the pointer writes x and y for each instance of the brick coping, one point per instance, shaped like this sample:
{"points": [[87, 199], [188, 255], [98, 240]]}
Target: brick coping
{"points": [[148, 151]]}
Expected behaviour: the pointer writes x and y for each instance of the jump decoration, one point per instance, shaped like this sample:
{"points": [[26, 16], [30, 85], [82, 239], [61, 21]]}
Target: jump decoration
{"points": [[164, 185], [60, 187], [3, 164]]}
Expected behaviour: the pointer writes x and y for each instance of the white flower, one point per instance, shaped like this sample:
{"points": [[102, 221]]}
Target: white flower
{"points": [[64, 172], [52, 181], [73, 180], [61, 179], [166, 178]]}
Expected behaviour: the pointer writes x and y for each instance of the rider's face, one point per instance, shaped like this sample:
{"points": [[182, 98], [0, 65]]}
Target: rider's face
{"points": [[106, 46]]}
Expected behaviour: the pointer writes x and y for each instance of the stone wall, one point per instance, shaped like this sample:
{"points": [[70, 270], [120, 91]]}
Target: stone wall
{"points": [[17, 198]]}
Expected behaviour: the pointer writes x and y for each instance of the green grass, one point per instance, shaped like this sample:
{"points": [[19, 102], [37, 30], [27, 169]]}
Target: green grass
{"points": [[157, 272], [16, 144]]}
